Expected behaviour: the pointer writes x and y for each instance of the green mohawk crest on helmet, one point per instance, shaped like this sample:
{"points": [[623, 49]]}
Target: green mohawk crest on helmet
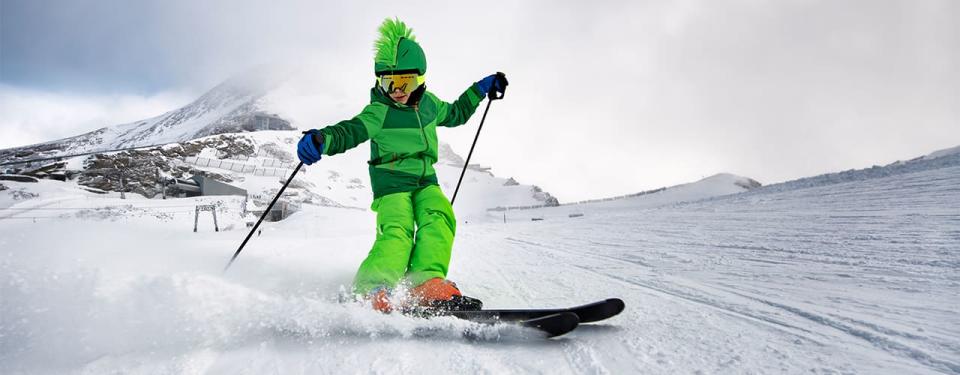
{"points": [[397, 49]]}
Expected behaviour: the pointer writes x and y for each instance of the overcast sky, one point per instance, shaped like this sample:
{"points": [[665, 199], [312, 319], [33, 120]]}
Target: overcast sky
{"points": [[606, 98]]}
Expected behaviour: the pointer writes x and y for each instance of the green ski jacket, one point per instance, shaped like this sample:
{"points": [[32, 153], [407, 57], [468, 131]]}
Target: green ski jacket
{"points": [[403, 139]]}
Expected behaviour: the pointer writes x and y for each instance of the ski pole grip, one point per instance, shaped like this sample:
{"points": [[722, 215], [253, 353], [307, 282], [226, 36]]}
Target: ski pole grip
{"points": [[501, 78]]}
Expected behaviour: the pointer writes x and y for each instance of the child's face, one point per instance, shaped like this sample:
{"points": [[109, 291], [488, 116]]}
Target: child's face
{"points": [[399, 96]]}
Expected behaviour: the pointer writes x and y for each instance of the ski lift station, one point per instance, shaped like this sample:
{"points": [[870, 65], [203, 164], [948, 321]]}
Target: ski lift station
{"points": [[266, 121], [202, 186]]}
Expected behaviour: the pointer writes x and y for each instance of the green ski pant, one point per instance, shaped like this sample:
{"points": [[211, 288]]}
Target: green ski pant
{"points": [[403, 251]]}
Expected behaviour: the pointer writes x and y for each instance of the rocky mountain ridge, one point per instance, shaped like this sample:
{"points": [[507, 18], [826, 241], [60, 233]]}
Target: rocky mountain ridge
{"points": [[233, 106]]}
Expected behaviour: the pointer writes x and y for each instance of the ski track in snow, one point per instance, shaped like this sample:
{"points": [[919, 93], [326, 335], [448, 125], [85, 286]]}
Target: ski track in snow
{"points": [[853, 277], [899, 236]]}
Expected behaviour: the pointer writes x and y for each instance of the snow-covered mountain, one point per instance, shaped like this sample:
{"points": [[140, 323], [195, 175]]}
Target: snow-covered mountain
{"points": [[236, 105], [935, 160]]}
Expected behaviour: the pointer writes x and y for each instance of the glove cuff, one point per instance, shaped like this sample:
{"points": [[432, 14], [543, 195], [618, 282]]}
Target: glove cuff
{"points": [[317, 138]]}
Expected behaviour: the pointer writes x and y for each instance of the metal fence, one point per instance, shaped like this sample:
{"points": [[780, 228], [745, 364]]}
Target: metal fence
{"points": [[272, 172], [236, 166], [223, 155], [270, 162], [275, 163], [221, 163]]}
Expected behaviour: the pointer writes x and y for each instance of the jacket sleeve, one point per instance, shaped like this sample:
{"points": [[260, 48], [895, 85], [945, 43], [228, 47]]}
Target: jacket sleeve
{"points": [[458, 112], [344, 135]]}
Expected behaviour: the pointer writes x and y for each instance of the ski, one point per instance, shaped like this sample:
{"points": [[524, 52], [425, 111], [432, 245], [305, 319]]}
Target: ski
{"points": [[552, 325], [551, 321], [589, 313]]}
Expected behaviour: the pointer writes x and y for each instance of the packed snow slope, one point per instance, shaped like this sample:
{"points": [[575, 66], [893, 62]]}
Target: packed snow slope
{"points": [[853, 274]]}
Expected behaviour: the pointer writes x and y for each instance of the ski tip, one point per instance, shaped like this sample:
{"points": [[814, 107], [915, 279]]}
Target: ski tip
{"points": [[600, 310], [618, 304]]}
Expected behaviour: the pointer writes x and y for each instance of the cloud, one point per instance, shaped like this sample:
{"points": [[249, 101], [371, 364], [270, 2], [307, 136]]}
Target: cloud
{"points": [[31, 116]]}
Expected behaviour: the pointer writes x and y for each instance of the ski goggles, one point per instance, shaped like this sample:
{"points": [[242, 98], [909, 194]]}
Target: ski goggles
{"points": [[405, 82]]}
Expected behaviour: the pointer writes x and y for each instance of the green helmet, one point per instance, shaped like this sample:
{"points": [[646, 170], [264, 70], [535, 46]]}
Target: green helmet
{"points": [[397, 49]]}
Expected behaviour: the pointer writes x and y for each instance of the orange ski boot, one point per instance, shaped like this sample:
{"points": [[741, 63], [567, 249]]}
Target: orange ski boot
{"points": [[380, 300], [443, 295]]}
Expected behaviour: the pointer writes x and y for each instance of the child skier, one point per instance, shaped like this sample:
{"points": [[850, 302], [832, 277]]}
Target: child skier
{"points": [[415, 221]]}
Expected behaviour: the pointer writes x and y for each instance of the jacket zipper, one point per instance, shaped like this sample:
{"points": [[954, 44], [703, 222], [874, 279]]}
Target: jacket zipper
{"points": [[426, 145]]}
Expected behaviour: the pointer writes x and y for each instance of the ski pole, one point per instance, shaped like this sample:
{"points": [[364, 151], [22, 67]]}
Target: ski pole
{"points": [[493, 96], [236, 254]]}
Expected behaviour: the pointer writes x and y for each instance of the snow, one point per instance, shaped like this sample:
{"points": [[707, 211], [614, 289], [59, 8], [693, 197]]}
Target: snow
{"points": [[849, 273], [942, 153]]}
